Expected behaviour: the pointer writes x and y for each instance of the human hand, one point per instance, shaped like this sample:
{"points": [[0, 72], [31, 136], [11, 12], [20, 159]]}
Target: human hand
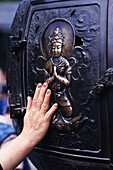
{"points": [[37, 117]]}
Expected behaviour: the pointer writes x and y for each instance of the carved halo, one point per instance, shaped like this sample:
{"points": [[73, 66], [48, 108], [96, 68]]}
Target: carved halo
{"points": [[66, 28]]}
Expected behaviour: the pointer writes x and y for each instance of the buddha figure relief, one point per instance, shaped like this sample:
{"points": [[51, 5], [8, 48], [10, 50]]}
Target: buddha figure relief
{"points": [[58, 74]]}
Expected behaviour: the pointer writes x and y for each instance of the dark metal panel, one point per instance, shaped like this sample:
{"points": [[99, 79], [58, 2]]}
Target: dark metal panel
{"points": [[47, 161], [110, 34], [50, 9], [83, 139], [110, 120]]}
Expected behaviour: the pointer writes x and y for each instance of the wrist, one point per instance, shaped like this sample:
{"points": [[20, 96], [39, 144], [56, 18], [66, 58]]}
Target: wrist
{"points": [[30, 139], [27, 142]]}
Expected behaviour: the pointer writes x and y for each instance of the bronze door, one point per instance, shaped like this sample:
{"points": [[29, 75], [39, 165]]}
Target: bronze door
{"points": [[65, 43]]}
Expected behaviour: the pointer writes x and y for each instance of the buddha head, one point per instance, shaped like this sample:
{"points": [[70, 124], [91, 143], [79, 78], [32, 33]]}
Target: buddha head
{"points": [[56, 43]]}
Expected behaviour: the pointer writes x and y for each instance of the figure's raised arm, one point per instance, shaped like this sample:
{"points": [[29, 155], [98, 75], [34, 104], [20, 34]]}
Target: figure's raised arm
{"points": [[64, 80]]}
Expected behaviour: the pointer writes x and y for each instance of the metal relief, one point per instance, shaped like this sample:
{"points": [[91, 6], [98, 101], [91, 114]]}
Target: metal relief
{"points": [[99, 88], [62, 50], [17, 45], [58, 72], [19, 17], [67, 44]]}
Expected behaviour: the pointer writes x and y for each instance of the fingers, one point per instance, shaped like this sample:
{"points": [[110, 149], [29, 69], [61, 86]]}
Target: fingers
{"points": [[29, 103], [41, 96], [41, 101], [49, 114], [45, 104], [37, 91]]}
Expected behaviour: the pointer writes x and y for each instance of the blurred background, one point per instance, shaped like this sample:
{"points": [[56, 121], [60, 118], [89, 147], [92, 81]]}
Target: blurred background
{"points": [[7, 12], [8, 9]]}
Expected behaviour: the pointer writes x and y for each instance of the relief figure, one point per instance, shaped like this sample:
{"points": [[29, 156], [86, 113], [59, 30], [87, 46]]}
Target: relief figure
{"points": [[57, 45], [59, 74]]}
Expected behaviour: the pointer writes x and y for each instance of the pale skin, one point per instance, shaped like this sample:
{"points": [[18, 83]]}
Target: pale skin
{"points": [[36, 123]]}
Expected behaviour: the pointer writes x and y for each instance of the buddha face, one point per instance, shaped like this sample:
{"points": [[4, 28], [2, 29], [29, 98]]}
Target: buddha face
{"points": [[56, 49]]}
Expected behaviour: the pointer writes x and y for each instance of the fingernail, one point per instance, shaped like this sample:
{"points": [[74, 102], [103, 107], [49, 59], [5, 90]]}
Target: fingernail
{"points": [[55, 105], [45, 84], [28, 97], [39, 85], [48, 91]]}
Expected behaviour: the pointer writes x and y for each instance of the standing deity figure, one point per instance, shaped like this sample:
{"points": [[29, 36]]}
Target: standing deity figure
{"points": [[59, 74]]}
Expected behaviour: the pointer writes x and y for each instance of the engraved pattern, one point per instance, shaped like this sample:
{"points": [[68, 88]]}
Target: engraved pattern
{"points": [[86, 25], [14, 74], [14, 57], [19, 18]]}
